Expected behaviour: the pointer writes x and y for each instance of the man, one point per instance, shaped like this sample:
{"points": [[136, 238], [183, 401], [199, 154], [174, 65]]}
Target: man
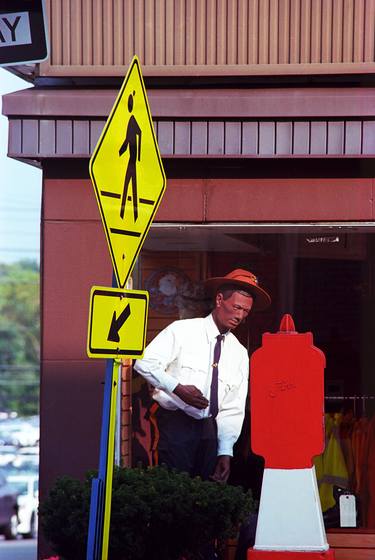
{"points": [[199, 372]]}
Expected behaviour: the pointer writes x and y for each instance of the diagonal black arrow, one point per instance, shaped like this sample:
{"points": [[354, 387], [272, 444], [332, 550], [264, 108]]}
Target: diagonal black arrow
{"points": [[116, 324]]}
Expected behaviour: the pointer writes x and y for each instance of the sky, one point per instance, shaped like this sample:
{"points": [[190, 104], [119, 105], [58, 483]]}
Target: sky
{"points": [[20, 193]]}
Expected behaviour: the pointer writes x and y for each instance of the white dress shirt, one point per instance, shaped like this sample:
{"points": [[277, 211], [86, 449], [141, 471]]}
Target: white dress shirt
{"points": [[183, 353]]}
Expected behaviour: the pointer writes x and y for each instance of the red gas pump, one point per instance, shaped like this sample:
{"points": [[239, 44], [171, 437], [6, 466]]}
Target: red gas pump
{"points": [[287, 429]]}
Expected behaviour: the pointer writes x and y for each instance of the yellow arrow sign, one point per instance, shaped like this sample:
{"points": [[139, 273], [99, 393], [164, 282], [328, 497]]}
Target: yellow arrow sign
{"points": [[127, 174], [117, 323]]}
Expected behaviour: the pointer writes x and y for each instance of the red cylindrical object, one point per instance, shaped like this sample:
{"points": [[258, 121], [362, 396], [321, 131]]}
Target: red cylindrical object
{"points": [[287, 398]]}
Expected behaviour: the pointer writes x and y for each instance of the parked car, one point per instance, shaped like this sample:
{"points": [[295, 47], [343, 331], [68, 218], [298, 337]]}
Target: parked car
{"points": [[8, 509], [19, 432], [7, 455], [26, 464], [26, 488]]}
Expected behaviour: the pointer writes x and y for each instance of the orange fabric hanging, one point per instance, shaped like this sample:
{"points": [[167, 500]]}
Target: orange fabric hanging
{"points": [[359, 438], [346, 441], [368, 478]]}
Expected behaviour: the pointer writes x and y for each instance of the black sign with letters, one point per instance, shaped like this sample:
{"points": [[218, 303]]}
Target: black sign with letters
{"points": [[23, 32]]}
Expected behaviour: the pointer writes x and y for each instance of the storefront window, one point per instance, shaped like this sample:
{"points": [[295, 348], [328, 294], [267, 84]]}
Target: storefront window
{"points": [[323, 277]]}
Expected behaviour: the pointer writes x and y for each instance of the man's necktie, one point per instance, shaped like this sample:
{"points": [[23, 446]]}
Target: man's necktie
{"points": [[214, 404]]}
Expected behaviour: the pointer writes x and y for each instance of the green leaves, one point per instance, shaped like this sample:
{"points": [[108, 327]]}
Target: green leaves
{"points": [[19, 337], [156, 514]]}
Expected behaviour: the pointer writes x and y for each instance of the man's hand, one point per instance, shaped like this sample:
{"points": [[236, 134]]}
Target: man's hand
{"points": [[191, 395], [222, 469]]}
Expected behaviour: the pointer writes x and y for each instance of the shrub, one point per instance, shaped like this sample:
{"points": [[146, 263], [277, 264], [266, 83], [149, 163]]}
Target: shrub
{"points": [[156, 514]]}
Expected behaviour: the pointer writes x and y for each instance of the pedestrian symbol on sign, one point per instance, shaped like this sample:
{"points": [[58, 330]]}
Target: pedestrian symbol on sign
{"points": [[133, 133]]}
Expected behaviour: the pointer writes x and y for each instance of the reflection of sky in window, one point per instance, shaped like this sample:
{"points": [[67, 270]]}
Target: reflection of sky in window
{"points": [[20, 193]]}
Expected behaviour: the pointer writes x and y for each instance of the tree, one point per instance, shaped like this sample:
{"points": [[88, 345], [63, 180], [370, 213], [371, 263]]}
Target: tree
{"points": [[19, 337]]}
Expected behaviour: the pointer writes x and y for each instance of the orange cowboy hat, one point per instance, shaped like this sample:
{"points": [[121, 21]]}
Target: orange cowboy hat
{"points": [[245, 280]]}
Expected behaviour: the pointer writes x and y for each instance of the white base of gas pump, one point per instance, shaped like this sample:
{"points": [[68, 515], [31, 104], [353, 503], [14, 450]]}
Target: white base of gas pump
{"points": [[290, 516]]}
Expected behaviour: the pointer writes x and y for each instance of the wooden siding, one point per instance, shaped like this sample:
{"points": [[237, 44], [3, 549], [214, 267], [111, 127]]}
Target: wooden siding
{"points": [[210, 37], [77, 138], [352, 544]]}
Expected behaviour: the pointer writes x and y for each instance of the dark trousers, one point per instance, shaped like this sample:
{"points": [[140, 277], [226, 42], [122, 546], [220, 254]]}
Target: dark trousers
{"points": [[187, 444]]}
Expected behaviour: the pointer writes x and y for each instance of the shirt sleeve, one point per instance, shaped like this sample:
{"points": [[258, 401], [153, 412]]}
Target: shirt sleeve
{"points": [[232, 411], [161, 352]]}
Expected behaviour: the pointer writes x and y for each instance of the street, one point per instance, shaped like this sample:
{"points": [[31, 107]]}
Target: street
{"points": [[18, 550]]}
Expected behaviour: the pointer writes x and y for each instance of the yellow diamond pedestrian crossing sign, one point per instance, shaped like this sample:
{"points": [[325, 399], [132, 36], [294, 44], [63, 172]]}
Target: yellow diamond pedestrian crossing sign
{"points": [[127, 173]]}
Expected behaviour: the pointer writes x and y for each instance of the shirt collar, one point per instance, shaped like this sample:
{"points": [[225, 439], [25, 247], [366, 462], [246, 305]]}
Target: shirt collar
{"points": [[211, 328]]}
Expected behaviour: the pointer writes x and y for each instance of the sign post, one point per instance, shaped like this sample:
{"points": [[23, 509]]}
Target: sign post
{"points": [[101, 491], [129, 181]]}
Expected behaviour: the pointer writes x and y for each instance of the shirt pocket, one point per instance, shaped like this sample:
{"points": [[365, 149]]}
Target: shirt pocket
{"points": [[192, 371], [224, 387]]}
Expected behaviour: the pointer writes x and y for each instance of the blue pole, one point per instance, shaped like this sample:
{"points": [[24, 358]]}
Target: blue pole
{"points": [[96, 520], [95, 534]]}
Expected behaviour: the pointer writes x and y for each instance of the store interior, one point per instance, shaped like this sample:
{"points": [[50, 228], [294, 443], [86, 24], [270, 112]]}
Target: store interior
{"points": [[324, 276]]}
